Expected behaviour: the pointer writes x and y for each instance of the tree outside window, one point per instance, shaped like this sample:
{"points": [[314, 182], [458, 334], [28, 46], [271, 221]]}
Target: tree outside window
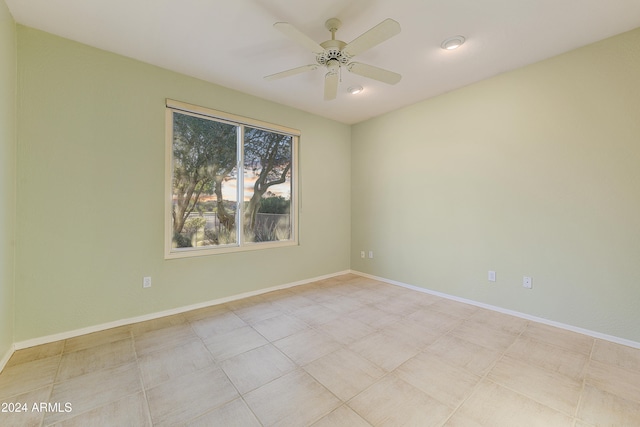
{"points": [[232, 185]]}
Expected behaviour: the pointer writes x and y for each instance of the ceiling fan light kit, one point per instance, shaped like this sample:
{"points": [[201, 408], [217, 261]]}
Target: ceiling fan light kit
{"points": [[334, 54], [354, 90]]}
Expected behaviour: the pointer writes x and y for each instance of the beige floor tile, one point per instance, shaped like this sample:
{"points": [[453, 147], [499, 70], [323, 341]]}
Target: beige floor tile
{"points": [[486, 337], [293, 302], [386, 350], [616, 354], [411, 332], [321, 294], [392, 291], [499, 321], [369, 295], [234, 414], [28, 376], [393, 402], [433, 350], [168, 337], [600, 408], [103, 356], [444, 382], [548, 356], [346, 330], [187, 397], [342, 417], [170, 363], [496, 406], [464, 354], [348, 289], [307, 345], [343, 304], [374, 317], [93, 390], [256, 367], [338, 289], [279, 326], [232, 343], [424, 299], [295, 399], [20, 409], [344, 372], [436, 321], [219, 324], [615, 380], [351, 277], [315, 315], [36, 353], [400, 306], [560, 337], [258, 312], [97, 338], [454, 308], [131, 410], [550, 388], [307, 290]]}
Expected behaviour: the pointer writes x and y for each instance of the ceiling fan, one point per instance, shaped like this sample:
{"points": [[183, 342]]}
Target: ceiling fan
{"points": [[334, 54]]}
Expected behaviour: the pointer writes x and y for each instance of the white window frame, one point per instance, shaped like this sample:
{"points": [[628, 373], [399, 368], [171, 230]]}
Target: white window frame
{"points": [[241, 245]]}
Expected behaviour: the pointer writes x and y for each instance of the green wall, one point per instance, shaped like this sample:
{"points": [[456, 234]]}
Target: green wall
{"points": [[8, 60], [535, 172], [91, 192]]}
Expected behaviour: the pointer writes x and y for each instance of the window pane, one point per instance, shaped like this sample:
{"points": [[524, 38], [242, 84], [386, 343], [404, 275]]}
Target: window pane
{"points": [[267, 185], [204, 182]]}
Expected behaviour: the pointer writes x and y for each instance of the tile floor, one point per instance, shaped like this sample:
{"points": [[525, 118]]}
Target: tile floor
{"points": [[347, 351]]}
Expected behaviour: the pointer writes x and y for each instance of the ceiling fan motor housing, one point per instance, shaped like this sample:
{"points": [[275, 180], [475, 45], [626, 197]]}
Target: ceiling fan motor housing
{"points": [[333, 50]]}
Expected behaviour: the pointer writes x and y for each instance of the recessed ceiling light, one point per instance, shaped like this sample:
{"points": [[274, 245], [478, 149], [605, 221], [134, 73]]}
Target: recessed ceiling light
{"points": [[452, 43], [354, 90]]}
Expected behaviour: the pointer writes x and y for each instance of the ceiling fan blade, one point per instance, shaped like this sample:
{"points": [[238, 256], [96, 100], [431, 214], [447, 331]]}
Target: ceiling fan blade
{"points": [[330, 86], [297, 36], [381, 32], [375, 73], [291, 72]]}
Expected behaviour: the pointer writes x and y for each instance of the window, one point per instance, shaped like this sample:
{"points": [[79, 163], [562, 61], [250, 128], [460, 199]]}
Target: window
{"points": [[231, 183]]}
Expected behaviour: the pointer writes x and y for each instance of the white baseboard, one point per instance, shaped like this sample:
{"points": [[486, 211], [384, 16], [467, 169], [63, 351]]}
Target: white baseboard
{"points": [[123, 322], [7, 356], [571, 328]]}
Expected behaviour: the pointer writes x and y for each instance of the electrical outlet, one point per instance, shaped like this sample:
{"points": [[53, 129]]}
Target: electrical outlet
{"points": [[370, 254], [361, 254], [146, 282], [492, 276], [527, 282]]}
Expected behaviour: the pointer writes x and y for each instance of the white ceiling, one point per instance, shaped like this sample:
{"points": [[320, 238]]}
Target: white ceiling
{"points": [[233, 43]]}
